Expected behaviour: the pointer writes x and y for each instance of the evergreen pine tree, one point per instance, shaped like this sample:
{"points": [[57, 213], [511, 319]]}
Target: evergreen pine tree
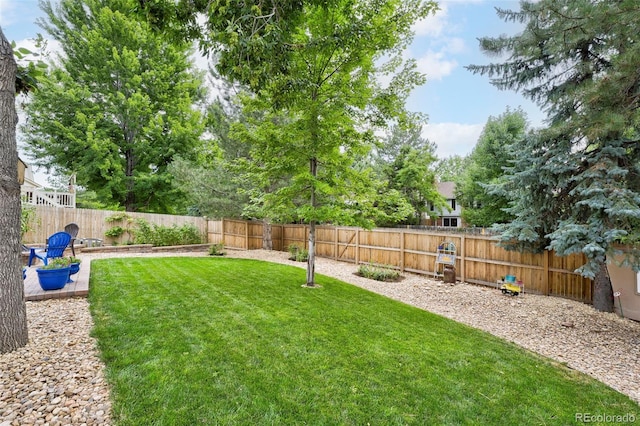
{"points": [[575, 185]]}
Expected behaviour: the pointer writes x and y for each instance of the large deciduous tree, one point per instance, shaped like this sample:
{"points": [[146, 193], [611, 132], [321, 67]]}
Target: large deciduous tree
{"points": [[405, 160], [576, 184], [313, 62], [210, 181], [411, 175], [13, 315], [326, 92], [117, 107], [485, 166]]}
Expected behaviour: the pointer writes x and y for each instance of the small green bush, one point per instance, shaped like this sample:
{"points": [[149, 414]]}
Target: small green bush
{"points": [[114, 232], [27, 219], [121, 222], [216, 249], [160, 235], [302, 255], [292, 249], [378, 272], [117, 217], [298, 254]]}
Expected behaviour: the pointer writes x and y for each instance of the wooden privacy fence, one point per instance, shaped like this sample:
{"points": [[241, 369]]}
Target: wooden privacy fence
{"points": [[479, 260], [93, 224]]}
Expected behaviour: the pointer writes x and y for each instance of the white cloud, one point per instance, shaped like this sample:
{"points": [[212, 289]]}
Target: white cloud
{"points": [[436, 65], [436, 31], [454, 45], [432, 25], [453, 138]]}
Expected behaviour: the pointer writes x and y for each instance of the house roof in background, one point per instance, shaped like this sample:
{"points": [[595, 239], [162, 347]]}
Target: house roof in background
{"points": [[29, 180], [447, 189]]}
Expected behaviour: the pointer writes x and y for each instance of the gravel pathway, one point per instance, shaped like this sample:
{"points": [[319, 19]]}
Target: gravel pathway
{"points": [[57, 379]]}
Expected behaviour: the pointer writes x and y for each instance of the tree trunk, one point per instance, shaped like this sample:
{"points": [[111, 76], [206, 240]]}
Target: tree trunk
{"points": [[311, 261], [13, 313], [267, 237], [602, 290], [130, 197]]}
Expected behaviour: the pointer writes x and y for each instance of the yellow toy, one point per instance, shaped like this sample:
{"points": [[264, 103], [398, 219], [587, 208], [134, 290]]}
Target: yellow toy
{"points": [[511, 289], [510, 286]]}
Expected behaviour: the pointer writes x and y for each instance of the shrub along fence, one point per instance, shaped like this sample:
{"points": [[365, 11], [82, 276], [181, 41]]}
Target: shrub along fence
{"points": [[478, 259], [94, 224]]}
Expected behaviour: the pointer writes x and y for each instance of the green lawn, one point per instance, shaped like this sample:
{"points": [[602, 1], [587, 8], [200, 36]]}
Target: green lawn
{"points": [[220, 341]]}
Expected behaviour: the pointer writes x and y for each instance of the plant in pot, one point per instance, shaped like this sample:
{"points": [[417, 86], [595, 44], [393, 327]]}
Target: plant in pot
{"points": [[55, 274], [74, 267]]}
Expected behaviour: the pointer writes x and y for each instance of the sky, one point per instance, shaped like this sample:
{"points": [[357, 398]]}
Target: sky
{"points": [[457, 102]]}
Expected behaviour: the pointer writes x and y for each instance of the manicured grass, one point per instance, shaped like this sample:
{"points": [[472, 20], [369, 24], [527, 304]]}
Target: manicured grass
{"points": [[220, 341]]}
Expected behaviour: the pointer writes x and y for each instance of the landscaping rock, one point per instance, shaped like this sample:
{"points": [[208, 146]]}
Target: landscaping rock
{"points": [[44, 381]]}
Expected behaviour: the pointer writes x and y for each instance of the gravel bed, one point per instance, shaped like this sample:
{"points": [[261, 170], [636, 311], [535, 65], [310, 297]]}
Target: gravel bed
{"points": [[57, 379]]}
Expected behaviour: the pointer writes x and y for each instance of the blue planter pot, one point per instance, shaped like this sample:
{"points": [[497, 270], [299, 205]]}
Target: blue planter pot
{"points": [[53, 279], [74, 268]]}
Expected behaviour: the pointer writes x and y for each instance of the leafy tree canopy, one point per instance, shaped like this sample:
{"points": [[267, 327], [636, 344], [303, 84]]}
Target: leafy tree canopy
{"points": [[330, 89], [405, 160], [485, 166], [211, 181], [323, 104], [118, 105], [449, 169]]}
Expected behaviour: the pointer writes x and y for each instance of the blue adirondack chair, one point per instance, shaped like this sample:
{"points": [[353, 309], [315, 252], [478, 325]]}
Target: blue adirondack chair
{"points": [[56, 244]]}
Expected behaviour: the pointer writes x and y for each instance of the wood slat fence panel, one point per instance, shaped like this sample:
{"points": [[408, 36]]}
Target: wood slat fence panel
{"points": [[479, 260], [93, 224]]}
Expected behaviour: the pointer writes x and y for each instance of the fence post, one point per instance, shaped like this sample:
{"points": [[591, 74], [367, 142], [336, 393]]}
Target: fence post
{"points": [[222, 230], [462, 260], [357, 246], [246, 235], [545, 272], [402, 250], [335, 242]]}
